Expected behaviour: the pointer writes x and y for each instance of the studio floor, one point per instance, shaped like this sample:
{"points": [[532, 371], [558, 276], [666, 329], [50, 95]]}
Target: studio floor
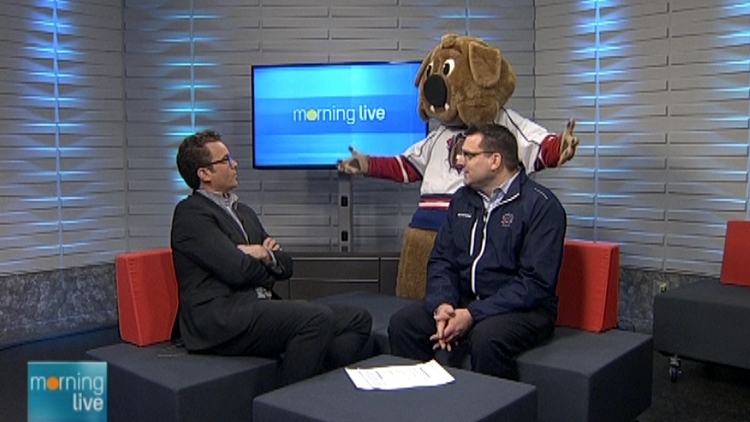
{"points": [[703, 393]]}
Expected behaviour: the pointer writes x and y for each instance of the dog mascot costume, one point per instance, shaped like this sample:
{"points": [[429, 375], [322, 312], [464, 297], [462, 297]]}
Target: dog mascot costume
{"points": [[462, 80]]}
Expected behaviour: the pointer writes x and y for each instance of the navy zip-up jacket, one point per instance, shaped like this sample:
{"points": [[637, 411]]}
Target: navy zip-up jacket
{"points": [[506, 261]]}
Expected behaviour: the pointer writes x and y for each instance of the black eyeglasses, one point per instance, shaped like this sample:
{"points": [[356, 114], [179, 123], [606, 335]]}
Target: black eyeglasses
{"points": [[227, 159], [468, 155]]}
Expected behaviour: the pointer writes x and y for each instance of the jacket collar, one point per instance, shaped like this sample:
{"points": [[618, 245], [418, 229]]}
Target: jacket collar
{"points": [[514, 190]]}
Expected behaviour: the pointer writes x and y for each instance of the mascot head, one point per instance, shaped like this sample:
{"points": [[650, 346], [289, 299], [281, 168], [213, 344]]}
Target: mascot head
{"points": [[463, 80]]}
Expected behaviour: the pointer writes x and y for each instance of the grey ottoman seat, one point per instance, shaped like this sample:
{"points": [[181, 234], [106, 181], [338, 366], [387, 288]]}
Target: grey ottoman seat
{"points": [[380, 306], [162, 383], [707, 321], [332, 397], [583, 376]]}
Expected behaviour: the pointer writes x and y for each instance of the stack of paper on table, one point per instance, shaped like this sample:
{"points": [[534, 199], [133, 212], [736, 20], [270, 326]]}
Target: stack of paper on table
{"points": [[398, 377]]}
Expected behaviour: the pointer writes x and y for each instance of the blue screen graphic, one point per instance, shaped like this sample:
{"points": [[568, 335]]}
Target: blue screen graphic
{"points": [[306, 116]]}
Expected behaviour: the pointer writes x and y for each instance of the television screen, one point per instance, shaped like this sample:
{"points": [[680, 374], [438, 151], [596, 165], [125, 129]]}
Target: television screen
{"points": [[306, 116]]}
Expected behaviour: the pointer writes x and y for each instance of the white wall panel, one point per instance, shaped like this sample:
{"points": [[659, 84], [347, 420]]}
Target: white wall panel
{"points": [[63, 144], [670, 136], [658, 89]]}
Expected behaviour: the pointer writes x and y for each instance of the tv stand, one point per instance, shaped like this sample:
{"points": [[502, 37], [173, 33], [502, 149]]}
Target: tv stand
{"points": [[345, 212], [324, 271]]}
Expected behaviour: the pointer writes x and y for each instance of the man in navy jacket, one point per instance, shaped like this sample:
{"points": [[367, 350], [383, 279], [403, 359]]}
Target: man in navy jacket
{"points": [[492, 274]]}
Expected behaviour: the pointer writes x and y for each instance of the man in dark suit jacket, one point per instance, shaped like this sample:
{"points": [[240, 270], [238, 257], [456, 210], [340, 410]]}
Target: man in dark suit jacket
{"points": [[226, 265]]}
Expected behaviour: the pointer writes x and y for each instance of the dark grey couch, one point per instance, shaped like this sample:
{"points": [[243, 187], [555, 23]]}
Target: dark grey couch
{"points": [[580, 376]]}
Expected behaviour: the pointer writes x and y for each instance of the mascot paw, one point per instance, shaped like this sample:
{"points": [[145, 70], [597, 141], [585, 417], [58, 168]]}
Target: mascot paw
{"points": [[557, 150], [568, 143], [356, 164]]}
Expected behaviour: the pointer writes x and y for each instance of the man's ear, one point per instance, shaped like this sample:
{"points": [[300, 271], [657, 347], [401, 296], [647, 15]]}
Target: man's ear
{"points": [[203, 174], [497, 161]]}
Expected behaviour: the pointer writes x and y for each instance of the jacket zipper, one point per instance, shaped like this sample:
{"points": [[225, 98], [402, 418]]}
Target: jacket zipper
{"points": [[485, 218]]}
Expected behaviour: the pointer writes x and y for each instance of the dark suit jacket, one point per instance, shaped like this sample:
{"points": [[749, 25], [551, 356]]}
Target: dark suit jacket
{"points": [[216, 280]]}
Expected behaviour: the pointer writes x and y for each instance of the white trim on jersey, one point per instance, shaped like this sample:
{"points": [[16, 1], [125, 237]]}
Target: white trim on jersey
{"points": [[400, 161]]}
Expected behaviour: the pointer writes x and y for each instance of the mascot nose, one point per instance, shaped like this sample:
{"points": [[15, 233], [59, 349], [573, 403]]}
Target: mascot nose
{"points": [[435, 91]]}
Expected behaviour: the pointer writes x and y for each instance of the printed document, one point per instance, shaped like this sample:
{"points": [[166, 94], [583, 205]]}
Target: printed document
{"points": [[398, 377]]}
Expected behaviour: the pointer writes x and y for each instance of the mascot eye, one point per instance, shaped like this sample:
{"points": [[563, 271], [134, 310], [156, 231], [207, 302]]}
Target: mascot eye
{"points": [[428, 70], [448, 67]]}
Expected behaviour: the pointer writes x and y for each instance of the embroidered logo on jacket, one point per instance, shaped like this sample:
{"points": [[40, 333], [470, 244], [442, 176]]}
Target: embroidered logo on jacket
{"points": [[463, 215], [507, 219]]}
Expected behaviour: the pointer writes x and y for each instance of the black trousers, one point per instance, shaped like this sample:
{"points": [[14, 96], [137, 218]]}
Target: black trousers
{"points": [[312, 337], [492, 343]]}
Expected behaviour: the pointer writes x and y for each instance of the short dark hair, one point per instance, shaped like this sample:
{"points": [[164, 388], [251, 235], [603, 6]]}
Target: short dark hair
{"points": [[193, 154], [497, 138]]}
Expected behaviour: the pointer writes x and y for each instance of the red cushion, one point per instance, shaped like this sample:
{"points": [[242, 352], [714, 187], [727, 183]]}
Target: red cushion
{"points": [[146, 295], [736, 254], [588, 285]]}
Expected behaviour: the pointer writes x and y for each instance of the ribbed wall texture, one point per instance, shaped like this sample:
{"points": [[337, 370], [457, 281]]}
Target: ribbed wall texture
{"points": [[62, 195], [660, 91]]}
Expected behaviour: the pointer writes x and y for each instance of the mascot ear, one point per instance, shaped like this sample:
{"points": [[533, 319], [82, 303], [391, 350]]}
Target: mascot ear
{"points": [[420, 107], [423, 67], [485, 63]]}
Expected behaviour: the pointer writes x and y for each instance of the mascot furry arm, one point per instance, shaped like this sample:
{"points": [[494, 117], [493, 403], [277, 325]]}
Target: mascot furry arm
{"points": [[463, 80]]}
